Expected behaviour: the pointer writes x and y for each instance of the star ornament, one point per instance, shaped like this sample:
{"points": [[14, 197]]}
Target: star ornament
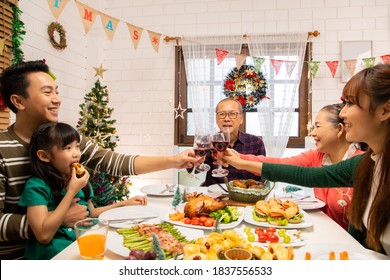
{"points": [[179, 112], [99, 71]]}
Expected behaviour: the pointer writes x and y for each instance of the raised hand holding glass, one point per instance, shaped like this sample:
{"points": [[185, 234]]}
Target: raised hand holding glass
{"points": [[220, 141]]}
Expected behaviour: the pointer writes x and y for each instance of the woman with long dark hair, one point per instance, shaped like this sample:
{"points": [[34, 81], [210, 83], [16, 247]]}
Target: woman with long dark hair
{"points": [[366, 116]]}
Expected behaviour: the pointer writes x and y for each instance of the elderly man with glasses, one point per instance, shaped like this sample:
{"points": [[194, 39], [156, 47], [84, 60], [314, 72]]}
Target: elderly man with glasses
{"points": [[229, 114]]}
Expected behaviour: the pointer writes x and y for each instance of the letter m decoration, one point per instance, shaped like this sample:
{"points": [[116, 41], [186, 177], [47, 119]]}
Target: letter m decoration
{"points": [[88, 15]]}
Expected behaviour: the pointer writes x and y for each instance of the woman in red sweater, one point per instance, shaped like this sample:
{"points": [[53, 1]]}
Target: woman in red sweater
{"points": [[331, 147]]}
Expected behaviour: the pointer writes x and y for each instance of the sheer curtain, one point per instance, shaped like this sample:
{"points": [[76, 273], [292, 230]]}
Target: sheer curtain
{"points": [[201, 68], [276, 113]]}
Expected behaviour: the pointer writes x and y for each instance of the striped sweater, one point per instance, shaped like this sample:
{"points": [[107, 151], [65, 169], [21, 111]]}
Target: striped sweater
{"points": [[14, 172]]}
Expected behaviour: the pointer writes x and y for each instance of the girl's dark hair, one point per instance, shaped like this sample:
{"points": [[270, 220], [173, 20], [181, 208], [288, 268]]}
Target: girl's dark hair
{"points": [[14, 80], [46, 137], [373, 82]]}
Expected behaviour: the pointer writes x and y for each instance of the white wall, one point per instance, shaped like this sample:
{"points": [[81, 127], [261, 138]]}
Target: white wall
{"points": [[141, 82]]}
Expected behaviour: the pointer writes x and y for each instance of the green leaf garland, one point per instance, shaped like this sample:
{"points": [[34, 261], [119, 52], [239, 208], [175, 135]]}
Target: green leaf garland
{"points": [[17, 35]]}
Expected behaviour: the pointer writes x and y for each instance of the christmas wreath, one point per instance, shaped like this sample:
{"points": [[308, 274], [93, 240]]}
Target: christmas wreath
{"points": [[57, 27], [246, 85]]}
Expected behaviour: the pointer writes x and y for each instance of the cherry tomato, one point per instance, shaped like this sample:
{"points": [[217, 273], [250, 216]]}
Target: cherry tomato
{"points": [[270, 229], [209, 222], [262, 238], [187, 221], [195, 219], [259, 229], [273, 238], [194, 222], [202, 219]]}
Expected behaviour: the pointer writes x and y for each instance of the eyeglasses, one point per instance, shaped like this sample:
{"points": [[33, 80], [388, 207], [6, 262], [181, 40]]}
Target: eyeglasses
{"points": [[232, 115]]}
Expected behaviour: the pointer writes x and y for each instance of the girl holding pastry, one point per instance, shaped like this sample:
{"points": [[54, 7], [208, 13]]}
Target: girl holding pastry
{"points": [[57, 179]]}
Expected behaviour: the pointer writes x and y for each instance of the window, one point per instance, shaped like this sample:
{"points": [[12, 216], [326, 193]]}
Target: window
{"points": [[184, 127]]}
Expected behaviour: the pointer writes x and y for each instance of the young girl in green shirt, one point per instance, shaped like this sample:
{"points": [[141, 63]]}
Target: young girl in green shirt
{"points": [[50, 192]]}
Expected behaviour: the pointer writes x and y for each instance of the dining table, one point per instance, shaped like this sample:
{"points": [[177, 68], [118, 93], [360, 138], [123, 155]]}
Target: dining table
{"points": [[324, 233]]}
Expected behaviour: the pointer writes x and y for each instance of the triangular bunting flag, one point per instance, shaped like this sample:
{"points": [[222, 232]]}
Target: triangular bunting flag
{"points": [[135, 34], [369, 61], [154, 39], [240, 59], [290, 66], [385, 58], [313, 67], [276, 63], [57, 6], [351, 66], [258, 61], [109, 25], [221, 54], [88, 15], [332, 66]]}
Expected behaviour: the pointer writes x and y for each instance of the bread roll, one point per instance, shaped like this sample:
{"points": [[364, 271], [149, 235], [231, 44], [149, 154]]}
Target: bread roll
{"points": [[80, 170]]}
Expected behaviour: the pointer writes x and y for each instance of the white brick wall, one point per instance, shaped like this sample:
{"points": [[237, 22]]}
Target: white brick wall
{"points": [[141, 82]]}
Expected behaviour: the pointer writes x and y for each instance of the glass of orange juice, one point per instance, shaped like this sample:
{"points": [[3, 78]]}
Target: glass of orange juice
{"points": [[91, 234]]}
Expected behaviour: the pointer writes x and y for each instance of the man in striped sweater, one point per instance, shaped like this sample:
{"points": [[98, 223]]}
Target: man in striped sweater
{"points": [[31, 93]]}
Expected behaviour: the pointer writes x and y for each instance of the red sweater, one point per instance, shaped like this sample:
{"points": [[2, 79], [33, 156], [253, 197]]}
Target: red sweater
{"points": [[330, 196]]}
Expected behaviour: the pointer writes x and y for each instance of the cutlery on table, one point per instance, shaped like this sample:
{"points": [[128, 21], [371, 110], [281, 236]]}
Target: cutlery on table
{"points": [[306, 201], [222, 187], [171, 188], [135, 220], [301, 198], [165, 190]]}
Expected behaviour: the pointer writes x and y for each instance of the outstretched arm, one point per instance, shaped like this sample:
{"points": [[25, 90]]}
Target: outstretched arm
{"points": [[185, 159], [232, 158]]}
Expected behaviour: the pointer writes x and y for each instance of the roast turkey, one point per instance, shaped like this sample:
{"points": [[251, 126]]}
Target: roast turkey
{"points": [[202, 206]]}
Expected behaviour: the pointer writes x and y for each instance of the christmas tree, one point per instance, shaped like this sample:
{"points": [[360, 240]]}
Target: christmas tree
{"points": [[96, 124], [95, 121]]}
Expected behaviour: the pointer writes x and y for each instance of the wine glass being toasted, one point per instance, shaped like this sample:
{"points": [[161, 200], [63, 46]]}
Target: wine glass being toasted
{"points": [[220, 141], [202, 145]]}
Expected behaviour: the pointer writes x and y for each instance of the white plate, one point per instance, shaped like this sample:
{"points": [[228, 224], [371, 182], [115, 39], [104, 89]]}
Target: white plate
{"points": [[321, 252], [306, 221], [115, 240], [304, 202], [295, 242], [157, 190], [130, 212], [221, 226], [310, 203]]}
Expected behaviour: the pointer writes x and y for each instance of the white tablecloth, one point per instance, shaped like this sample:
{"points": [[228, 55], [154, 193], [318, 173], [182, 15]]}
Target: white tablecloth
{"points": [[324, 231]]}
